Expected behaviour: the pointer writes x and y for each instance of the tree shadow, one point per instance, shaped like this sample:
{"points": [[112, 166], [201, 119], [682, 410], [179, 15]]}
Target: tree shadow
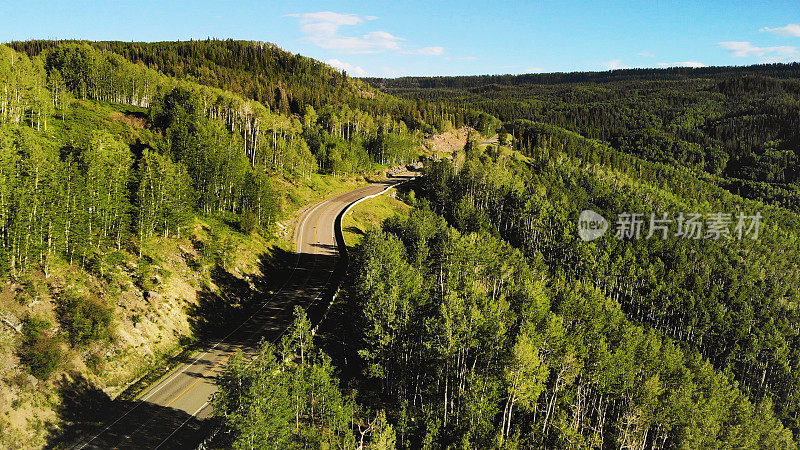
{"points": [[234, 299], [354, 229], [339, 336], [216, 309], [238, 314], [408, 186], [244, 311], [92, 420]]}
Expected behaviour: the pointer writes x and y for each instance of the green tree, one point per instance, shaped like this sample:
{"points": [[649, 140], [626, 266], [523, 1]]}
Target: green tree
{"points": [[108, 173], [40, 351], [164, 197], [254, 400]]}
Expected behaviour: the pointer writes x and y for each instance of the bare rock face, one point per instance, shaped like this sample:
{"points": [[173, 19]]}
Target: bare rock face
{"points": [[11, 321], [153, 296], [449, 141]]}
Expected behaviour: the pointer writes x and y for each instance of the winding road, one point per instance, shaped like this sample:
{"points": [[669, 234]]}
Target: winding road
{"points": [[172, 413]]}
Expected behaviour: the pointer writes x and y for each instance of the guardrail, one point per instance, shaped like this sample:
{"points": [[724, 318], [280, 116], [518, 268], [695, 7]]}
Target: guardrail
{"points": [[341, 267]]}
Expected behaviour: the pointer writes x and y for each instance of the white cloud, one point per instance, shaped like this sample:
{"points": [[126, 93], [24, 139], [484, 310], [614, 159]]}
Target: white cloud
{"points": [[466, 58], [429, 51], [739, 49], [647, 54], [534, 70], [325, 22], [791, 30], [777, 59], [615, 64], [694, 64], [343, 66], [322, 28], [373, 42]]}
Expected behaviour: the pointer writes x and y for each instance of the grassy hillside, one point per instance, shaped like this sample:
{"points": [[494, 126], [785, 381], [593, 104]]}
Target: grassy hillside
{"points": [[370, 214], [141, 185], [136, 209]]}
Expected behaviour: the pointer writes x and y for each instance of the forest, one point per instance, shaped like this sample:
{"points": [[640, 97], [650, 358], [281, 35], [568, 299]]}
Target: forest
{"points": [[482, 321], [68, 189], [103, 160], [736, 125], [477, 320], [281, 81], [699, 294]]}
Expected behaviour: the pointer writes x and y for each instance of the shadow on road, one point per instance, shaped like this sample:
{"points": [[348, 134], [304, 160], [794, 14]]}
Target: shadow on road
{"points": [[220, 310], [216, 309], [86, 411], [242, 312], [268, 300]]}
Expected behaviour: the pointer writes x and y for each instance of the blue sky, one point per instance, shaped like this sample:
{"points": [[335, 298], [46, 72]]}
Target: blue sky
{"points": [[445, 37]]}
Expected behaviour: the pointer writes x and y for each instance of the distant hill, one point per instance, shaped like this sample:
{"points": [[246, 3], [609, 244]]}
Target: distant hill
{"points": [[257, 70], [276, 78], [740, 124], [791, 70]]}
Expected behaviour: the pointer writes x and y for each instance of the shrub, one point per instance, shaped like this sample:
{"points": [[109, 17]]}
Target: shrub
{"points": [[84, 319], [40, 353], [42, 356], [33, 327], [248, 222]]}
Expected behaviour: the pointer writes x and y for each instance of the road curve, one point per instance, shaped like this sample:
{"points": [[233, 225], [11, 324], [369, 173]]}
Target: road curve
{"points": [[171, 413]]}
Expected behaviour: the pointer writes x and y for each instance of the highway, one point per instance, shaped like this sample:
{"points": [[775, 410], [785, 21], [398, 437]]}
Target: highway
{"points": [[172, 413]]}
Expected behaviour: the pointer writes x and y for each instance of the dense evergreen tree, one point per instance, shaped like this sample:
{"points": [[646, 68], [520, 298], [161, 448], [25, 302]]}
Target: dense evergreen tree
{"points": [[287, 396], [483, 349], [738, 123]]}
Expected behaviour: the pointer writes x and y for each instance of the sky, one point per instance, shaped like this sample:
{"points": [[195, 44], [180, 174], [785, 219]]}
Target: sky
{"points": [[432, 38]]}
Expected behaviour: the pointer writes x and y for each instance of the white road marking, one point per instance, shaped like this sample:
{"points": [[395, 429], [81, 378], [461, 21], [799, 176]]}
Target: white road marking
{"points": [[299, 238], [181, 425]]}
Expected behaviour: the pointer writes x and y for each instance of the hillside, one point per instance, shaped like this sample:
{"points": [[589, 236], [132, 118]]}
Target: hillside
{"points": [[282, 81], [739, 125], [131, 202], [145, 187], [257, 70], [550, 341]]}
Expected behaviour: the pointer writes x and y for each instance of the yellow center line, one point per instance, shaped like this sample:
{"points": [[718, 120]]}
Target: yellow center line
{"points": [[316, 239], [195, 383]]}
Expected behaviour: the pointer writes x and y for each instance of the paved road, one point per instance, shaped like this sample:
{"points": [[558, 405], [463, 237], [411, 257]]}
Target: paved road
{"points": [[492, 140], [171, 413]]}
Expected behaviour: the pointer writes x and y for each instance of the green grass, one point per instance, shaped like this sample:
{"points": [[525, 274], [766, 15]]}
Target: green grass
{"points": [[370, 214], [305, 192], [301, 193]]}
